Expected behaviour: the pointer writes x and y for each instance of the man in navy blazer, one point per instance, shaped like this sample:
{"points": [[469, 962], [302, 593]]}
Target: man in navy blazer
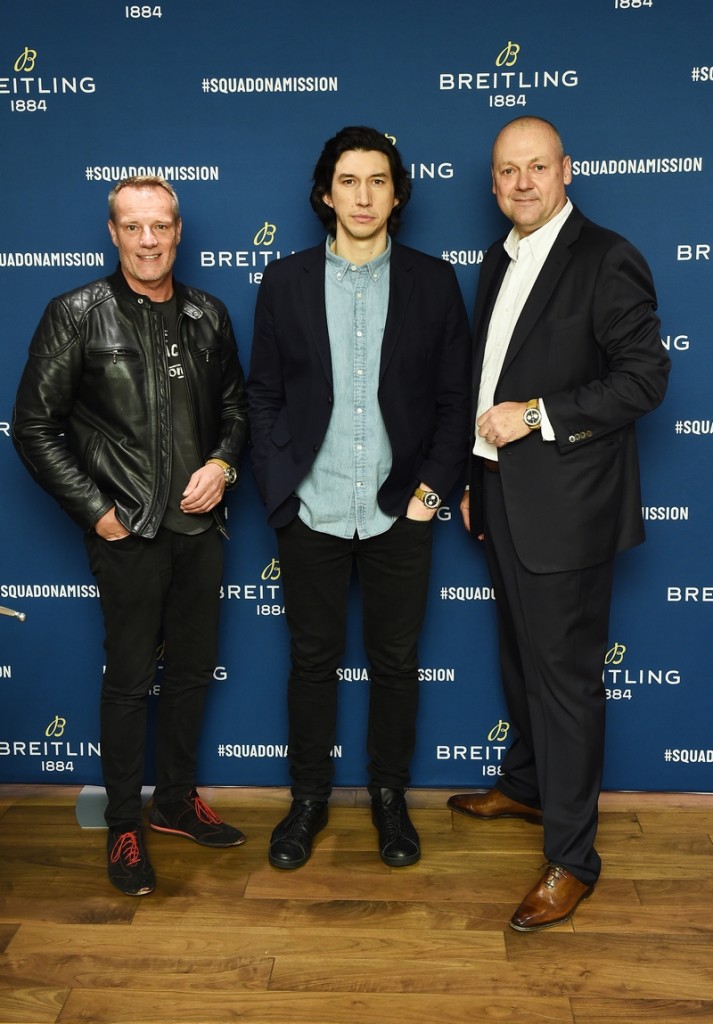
{"points": [[359, 405], [567, 356]]}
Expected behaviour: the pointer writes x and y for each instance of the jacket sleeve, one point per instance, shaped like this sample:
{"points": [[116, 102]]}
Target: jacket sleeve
{"points": [[635, 366], [266, 392], [446, 451], [234, 403], [44, 402]]}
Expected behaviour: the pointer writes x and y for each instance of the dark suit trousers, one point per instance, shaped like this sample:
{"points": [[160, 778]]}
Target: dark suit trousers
{"points": [[553, 630], [393, 571]]}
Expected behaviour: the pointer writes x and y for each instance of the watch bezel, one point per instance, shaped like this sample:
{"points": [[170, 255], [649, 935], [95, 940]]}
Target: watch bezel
{"points": [[429, 498], [532, 416]]}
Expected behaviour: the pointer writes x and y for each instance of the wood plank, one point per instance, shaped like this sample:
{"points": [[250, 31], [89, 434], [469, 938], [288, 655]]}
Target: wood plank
{"points": [[32, 1005], [653, 1011], [112, 1007], [183, 912], [579, 973]]}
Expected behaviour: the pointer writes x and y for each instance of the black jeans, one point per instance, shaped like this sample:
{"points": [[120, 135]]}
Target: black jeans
{"points": [[165, 590], [393, 571]]}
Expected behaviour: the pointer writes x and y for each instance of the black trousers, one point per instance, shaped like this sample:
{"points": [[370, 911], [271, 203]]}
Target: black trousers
{"points": [[553, 631], [393, 571], [161, 591]]}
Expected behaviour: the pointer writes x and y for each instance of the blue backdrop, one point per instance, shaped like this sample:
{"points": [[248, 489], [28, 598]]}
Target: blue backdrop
{"points": [[232, 102]]}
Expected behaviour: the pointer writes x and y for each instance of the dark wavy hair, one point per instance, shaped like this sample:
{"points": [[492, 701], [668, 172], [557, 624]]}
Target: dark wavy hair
{"points": [[362, 138]]}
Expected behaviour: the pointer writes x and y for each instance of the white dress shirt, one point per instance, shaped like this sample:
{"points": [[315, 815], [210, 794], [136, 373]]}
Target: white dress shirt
{"points": [[527, 256]]}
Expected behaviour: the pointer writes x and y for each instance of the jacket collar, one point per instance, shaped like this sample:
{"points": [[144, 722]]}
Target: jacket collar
{"points": [[127, 294]]}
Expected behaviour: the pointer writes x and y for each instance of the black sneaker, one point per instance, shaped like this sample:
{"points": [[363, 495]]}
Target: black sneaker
{"points": [[194, 819], [128, 863], [399, 844], [291, 840]]}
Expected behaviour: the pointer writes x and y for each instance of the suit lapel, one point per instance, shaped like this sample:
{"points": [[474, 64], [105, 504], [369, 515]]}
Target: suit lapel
{"points": [[401, 282], [543, 288], [312, 287]]}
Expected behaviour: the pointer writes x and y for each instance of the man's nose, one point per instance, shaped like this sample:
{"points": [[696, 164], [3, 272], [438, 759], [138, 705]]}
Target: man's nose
{"points": [[524, 181]]}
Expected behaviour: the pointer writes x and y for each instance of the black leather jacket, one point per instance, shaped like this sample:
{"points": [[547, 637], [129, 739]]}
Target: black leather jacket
{"points": [[92, 420]]}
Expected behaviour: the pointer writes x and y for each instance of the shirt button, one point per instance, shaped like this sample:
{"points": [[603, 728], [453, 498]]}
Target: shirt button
{"points": [[359, 295], [360, 447], [360, 334], [360, 411], [360, 373], [359, 483], [353, 267]]}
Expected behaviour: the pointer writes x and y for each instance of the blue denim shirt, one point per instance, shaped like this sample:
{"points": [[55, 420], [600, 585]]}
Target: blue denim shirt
{"points": [[338, 495]]}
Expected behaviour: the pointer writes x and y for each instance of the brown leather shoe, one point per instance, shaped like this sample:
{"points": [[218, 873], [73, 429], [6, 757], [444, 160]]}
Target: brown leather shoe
{"points": [[553, 901], [493, 804]]}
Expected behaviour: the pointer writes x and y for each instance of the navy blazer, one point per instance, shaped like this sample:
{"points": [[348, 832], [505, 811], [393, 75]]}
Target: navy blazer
{"points": [[587, 342], [424, 380]]}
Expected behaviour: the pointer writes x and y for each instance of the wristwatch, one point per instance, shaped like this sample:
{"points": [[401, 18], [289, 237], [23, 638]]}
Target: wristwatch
{"points": [[229, 472], [532, 415], [429, 498]]}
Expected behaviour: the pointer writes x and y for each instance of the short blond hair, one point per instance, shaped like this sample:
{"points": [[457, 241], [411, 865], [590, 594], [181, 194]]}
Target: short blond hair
{"points": [[144, 181]]}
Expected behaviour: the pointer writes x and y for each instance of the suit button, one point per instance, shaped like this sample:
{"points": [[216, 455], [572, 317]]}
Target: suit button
{"points": [[572, 438], [589, 433], [315, 447]]}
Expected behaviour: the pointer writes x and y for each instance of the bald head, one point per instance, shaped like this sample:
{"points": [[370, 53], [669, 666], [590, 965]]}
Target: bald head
{"points": [[522, 124]]}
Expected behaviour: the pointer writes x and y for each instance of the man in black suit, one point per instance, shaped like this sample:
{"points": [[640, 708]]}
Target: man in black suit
{"points": [[359, 405], [567, 356]]}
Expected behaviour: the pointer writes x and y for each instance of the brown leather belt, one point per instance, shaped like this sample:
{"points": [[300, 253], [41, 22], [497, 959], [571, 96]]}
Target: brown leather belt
{"points": [[491, 466]]}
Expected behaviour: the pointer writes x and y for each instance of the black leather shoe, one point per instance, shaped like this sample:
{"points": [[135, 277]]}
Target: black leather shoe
{"points": [[291, 841], [399, 844]]}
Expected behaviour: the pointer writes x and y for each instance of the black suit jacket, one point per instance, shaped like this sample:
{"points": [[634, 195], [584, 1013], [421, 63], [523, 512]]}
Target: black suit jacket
{"points": [[424, 381], [587, 342]]}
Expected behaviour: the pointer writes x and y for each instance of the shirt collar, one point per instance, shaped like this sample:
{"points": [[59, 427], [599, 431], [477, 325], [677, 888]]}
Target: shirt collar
{"points": [[541, 241], [374, 268]]}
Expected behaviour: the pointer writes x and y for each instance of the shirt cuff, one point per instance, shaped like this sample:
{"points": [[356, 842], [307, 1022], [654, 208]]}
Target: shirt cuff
{"points": [[546, 428]]}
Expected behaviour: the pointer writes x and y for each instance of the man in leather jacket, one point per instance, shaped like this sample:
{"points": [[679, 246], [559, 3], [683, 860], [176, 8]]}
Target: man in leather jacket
{"points": [[131, 412]]}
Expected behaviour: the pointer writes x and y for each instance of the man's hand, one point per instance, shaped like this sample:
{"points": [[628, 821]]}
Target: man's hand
{"points": [[205, 489], [465, 513], [109, 527], [503, 423], [465, 510]]}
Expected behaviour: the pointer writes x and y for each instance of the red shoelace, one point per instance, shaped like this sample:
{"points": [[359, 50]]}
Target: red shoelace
{"points": [[126, 846], [205, 813]]}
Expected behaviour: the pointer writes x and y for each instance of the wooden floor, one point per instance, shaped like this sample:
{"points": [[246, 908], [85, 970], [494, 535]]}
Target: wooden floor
{"points": [[347, 940]]}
